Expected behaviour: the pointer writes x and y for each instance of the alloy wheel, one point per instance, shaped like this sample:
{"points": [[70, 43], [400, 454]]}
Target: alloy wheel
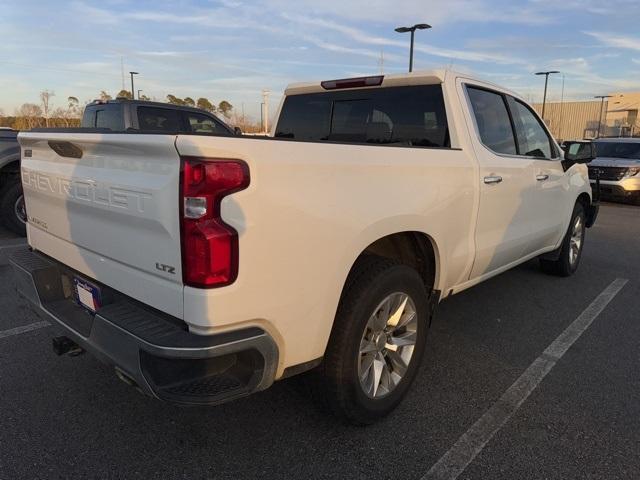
{"points": [[387, 345]]}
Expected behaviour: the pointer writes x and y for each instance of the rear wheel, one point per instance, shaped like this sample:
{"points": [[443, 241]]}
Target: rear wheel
{"points": [[12, 208], [377, 342], [571, 248]]}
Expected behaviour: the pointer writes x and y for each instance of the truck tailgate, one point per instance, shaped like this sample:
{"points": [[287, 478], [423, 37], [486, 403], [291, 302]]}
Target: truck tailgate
{"points": [[112, 213]]}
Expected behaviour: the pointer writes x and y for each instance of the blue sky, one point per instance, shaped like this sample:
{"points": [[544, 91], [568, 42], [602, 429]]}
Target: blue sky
{"points": [[232, 49]]}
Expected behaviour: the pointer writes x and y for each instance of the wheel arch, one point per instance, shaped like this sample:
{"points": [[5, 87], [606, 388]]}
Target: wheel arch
{"points": [[11, 167], [410, 247]]}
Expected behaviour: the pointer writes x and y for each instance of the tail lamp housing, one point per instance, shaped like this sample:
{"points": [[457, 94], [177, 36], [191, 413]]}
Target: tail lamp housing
{"points": [[209, 245]]}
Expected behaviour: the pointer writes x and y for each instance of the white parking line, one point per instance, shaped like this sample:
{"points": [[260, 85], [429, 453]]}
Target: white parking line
{"points": [[23, 329], [471, 443]]}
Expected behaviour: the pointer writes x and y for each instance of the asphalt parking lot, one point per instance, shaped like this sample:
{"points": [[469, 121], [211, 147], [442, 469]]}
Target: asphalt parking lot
{"points": [[66, 417]]}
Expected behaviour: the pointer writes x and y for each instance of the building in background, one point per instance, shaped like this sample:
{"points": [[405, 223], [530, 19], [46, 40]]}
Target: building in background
{"points": [[577, 120]]}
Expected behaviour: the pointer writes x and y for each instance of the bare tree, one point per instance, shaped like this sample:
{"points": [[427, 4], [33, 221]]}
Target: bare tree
{"points": [[28, 116], [104, 96], [45, 99]]}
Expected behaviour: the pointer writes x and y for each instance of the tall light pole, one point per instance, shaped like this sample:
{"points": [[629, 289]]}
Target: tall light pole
{"points": [[546, 81], [561, 109], [132, 90], [601, 97], [265, 108], [418, 26]]}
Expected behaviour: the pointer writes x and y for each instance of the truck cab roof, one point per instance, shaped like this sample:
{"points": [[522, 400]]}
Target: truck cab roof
{"points": [[149, 103], [425, 77], [123, 114]]}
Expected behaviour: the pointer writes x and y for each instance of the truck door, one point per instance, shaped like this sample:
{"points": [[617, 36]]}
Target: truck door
{"points": [[506, 182], [551, 203]]}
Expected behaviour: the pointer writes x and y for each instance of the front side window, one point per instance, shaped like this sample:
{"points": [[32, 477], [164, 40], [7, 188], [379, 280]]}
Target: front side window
{"points": [[492, 119], [200, 123], [402, 116], [533, 140]]}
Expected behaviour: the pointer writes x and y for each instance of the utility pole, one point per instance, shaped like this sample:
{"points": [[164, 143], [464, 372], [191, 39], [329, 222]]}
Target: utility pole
{"points": [[132, 90], [546, 81], [265, 102], [560, 129], [412, 30], [381, 61], [601, 97], [122, 70]]}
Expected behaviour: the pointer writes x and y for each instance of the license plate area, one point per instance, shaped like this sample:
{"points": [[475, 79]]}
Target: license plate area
{"points": [[87, 294]]}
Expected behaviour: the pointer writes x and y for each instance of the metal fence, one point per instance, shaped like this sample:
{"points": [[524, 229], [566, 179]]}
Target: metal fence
{"points": [[573, 120]]}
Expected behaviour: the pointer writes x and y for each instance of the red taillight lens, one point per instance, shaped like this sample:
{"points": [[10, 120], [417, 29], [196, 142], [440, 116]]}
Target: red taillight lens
{"points": [[209, 246]]}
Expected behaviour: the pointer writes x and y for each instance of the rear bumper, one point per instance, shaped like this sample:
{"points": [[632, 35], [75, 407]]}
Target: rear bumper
{"points": [[148, 347]]}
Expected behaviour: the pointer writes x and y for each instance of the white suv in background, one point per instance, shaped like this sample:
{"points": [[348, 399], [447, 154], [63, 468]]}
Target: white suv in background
{"points": [[618, 166]]}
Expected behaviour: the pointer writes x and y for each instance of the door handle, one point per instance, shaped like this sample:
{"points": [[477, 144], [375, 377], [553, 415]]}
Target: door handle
{"points": [[542, 178], [492, 179]]}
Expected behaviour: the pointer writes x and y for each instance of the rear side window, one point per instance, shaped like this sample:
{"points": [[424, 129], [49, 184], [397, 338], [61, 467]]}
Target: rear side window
{"points": [[403, 116], [533, 140], [163, 120], [199, 123], [109, 116], [492, 119]]}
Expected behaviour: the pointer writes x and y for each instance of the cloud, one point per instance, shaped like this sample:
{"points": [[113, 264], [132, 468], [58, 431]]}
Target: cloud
{"points": [[92, 14], [436, 12], [616, 40], [166, 53], [362, 37]]}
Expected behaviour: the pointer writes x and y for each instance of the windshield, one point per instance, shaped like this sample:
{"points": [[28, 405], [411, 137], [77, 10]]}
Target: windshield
{"points": [[618, 150]]}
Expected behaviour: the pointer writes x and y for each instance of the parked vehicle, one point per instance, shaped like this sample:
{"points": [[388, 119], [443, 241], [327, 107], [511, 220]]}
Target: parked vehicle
{"points": [[123, 115], [205, 268], [12, 211], [618, 166]]}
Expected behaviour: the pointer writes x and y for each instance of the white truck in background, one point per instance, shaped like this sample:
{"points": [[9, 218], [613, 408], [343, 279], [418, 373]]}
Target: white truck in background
{"points": [[204, 268]]}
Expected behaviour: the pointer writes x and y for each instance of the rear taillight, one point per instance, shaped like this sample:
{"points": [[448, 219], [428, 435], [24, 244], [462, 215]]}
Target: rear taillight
{"points": [[209, 246]]}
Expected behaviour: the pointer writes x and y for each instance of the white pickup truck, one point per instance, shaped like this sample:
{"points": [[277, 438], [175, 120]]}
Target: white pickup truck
{"points": [[204, 268]]}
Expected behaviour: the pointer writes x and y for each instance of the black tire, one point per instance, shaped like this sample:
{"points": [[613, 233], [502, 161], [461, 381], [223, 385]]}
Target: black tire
{"points": [[564, 266], [373, 280], [10, 195]]}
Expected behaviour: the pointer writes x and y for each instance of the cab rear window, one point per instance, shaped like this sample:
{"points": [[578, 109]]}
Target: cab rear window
{"points": [[401, 116], [108, 115]]}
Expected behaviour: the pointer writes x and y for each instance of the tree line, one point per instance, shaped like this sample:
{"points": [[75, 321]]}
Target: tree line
{"points": [[45, 114]]}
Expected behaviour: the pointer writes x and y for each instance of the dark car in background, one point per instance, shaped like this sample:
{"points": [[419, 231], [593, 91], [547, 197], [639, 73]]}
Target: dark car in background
{"points": [[12, 212], [152, 117], [120, 115], [618, 166]]}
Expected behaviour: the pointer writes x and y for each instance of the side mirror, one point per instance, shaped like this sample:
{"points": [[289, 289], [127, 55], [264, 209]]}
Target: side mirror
{"points": [[237, 131], [579, 152]]}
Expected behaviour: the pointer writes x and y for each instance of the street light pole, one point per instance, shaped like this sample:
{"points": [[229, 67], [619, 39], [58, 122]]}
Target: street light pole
{"points": [[132, 90], [601, 97], [412, 30], [546, 81]]}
